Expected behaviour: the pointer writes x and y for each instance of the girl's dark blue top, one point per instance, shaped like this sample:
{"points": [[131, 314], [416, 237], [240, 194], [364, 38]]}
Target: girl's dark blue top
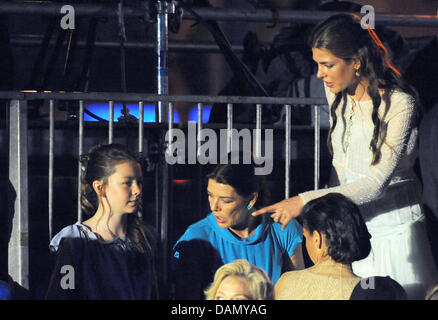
{"points": [[90, 268]]}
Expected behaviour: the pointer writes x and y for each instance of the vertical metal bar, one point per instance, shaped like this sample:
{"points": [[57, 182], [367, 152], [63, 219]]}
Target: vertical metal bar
{"points": [[80, 151], [157, 195], [51, 159], [199, 138], [158, 179], [258, 130], [140, 126], [288, 133], [170, 126], [164, 209], [317, 147], [163, 8], [111, 122], [162, 49], [140, 136], [18, 249], [171, 118], [200, 171], [229, 126]]}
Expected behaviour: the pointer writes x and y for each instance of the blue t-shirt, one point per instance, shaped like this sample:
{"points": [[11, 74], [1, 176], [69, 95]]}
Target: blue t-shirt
{"points": [[266, 248]]}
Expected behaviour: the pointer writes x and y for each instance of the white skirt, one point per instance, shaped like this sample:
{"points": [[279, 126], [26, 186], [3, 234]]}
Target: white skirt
{"points": [[400, 247]]}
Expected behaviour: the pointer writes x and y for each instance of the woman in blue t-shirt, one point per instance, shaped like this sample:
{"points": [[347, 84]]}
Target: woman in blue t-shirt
{"points": [[230, 232]]}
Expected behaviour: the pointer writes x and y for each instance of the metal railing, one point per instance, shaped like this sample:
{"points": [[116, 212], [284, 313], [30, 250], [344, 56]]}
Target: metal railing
{"points": [[18, 160], [17, 121]]}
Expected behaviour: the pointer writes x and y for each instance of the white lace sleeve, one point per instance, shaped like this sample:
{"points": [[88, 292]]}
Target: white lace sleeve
{"points": [[398, 128]]}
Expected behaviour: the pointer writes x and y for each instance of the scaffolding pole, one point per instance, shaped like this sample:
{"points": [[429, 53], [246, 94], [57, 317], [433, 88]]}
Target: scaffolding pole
{"points": [[18, 251]]}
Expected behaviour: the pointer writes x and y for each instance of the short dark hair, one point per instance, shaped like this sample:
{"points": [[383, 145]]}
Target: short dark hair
{"points": [[340, 221], [242, 178]]}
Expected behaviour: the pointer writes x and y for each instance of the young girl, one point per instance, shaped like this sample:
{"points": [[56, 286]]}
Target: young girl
{"points": [[110, 255]]}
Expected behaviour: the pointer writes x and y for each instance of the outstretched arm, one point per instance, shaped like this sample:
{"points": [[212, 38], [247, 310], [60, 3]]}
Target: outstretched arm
{"points": [[284, 211], [398, 122]]}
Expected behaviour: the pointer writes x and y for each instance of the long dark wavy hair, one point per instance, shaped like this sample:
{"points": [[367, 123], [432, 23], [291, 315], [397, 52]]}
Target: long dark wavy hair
{"points": [[98, 164], [343, 36]]}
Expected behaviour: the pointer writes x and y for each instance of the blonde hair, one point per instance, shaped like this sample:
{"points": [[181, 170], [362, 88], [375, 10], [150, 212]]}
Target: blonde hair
{"points": [[260, 286]]}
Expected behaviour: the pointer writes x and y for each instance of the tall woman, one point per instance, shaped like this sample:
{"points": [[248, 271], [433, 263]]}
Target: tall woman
{"points": [[109, 255], [230, 232], [373, 140]]}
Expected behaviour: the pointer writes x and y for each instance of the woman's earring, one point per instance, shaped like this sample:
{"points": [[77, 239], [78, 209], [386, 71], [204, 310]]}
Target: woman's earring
{"points": [[357, 73]]}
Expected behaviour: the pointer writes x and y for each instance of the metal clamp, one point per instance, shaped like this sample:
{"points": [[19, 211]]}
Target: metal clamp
{"points": [[166, 7]]}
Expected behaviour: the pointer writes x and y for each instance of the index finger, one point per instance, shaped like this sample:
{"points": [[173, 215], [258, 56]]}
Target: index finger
{"points": [[264, 210], [285, 222]]}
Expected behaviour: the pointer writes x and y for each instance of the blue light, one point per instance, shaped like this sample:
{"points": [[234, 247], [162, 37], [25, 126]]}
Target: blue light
{"points": [[102, 110], [193, 115]]}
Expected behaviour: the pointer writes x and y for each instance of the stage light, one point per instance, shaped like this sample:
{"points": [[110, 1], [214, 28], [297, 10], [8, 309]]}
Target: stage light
{"points": [[180, 181], [193, 115]]}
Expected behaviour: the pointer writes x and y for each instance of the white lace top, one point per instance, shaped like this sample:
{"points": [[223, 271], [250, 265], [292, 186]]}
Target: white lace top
{"points": [[389, 193], [352, 156]]}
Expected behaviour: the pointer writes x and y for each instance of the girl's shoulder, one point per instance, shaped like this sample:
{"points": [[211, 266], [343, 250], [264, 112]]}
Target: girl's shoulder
{"points": [[72, 231]]}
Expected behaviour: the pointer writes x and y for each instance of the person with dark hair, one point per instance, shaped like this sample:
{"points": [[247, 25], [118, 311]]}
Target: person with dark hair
{"points": [[230, 232], [373, 141], [378, 288], [111, 254], [336, 236]]}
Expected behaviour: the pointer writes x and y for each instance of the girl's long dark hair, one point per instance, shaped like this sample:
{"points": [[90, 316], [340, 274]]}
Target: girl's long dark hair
{"points": [[98, 164], [344, 37]]}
